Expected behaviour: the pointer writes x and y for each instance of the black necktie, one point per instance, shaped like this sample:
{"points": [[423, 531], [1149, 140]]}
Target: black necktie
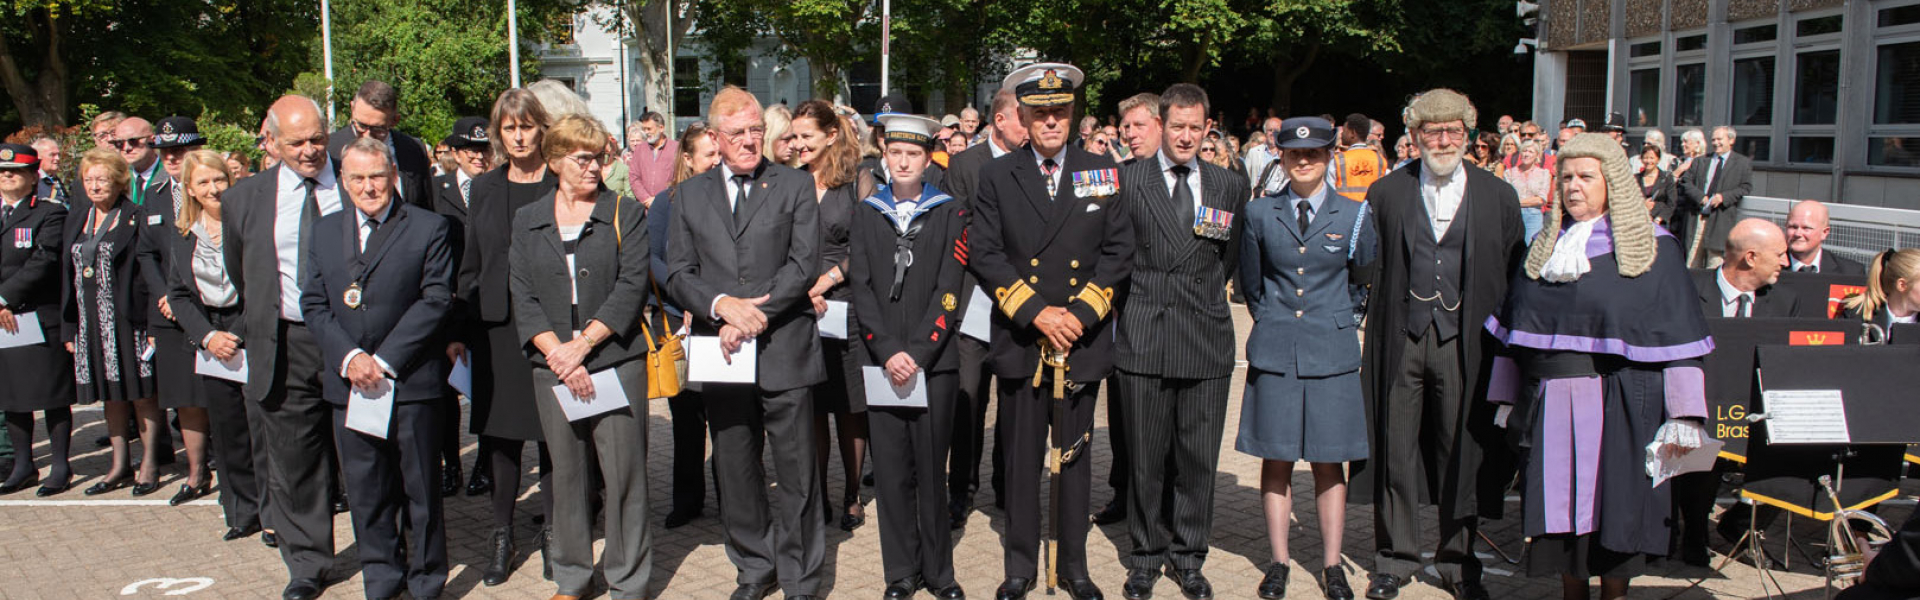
{"points": [[6, 213], [740, 184], [1808, 269], [1182, 194], [367, 230], [1047, 169], [1304, 216], [309, 213], [1742, 306]]}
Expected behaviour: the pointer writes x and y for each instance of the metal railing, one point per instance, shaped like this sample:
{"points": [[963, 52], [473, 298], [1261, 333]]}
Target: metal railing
{"points": [[1859, 232]]}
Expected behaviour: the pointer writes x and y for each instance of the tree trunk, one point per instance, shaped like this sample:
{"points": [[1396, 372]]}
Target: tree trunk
{"points": [[650, 17], [42, 101], [1193, 56], [1285, 72]]}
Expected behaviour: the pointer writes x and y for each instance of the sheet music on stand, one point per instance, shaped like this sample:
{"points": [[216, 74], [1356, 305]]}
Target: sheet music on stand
{"points": [[1806, 417]]}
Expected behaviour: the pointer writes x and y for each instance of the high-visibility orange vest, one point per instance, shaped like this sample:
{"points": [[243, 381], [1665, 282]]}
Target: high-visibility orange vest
{"points": [[1356, 168]]}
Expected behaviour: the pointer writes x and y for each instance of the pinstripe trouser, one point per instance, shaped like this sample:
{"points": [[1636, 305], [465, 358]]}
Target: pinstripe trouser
{"points": [[1173, 430]]}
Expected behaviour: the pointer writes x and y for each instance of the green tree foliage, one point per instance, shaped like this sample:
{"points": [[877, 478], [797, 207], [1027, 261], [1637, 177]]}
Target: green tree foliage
{"points": [[829, 34]]}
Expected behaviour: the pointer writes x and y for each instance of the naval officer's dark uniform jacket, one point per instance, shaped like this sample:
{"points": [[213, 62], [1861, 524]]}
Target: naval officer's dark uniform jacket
{"points": [[1031, 250]]}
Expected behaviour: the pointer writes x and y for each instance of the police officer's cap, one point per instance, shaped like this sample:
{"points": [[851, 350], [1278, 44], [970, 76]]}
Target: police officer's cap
{"points": [[1044, 84], [1305, 132], [1615, 122], [468, 132], [892, 104], [18, 156], [912, 129], [175, 132]]}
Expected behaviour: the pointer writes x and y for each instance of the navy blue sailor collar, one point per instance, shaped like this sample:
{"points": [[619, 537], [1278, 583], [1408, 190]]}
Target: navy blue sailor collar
{"points": [[882, 200]]}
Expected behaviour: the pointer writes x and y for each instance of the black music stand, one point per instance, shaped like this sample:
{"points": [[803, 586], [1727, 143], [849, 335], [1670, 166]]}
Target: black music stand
{"points": [[1822, 290], [1730, 367]]}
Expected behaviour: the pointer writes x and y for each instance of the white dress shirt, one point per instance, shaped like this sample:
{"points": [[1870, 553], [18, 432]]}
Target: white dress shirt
{"points": [[286, 230], [1730, 296], [1794, 264], [1193, 177], [1443, 197], [366, 231]]}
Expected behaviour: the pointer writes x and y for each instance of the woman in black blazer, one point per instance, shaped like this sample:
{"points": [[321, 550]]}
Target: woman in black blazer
{"points": [[112, 355], [502, 412], [579, 279], [1656, 184], [206, 303], [30, 285]]}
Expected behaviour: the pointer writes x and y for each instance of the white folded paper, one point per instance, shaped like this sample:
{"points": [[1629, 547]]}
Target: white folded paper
{"points": [[28, 333], [706, 362], [833, 325], [233, 369], [371, 411], [460, 375], [978, 322], [882, 392], [608, 396], [1662, 467], [1806, 417]]}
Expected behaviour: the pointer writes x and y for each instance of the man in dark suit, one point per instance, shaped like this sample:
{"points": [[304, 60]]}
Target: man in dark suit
{"points": [[1449, 238], [173, 353], [133, 138], [1742, 286], [1807, 232], [1174, 350], [743, 250], [374, 112], [1050, 239], [269, 218], [1141, 127], [1714, 193], [49, 186], [1004, 134], [379, 283]]}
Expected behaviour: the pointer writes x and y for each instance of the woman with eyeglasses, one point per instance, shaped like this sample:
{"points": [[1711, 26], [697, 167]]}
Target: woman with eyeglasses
{"points": [[105, 317], [30, 285], [699, 151], [824, 146], [502, 411], [579, 269]]}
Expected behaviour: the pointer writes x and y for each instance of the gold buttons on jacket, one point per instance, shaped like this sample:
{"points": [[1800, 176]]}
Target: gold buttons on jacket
{"points": [[1299, 292], [1072, 282], [1034, 262], [1303, 249], [1035, 279], [1300, 271], [1073, 264], [1299, 313]]}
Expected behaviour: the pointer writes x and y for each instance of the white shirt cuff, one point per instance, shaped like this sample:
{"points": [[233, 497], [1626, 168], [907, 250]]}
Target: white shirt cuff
{"points": [[713, 310], [207, 341], [384, 368]]}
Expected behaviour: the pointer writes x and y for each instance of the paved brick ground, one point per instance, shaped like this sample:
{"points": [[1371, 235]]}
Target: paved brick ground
{"points": [[77, 547]]}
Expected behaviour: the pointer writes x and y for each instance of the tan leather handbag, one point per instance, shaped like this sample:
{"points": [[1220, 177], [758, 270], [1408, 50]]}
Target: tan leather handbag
{"points": [[666, 356]]}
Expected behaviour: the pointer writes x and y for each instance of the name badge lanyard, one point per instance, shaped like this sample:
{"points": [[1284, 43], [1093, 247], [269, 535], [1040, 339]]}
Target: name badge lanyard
{"points": [[96, 232]]}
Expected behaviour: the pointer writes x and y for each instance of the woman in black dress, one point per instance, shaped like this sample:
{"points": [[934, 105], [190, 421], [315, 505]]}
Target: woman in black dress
{"points": [[1656, 185], [503, 413], [823, 145], [207, 305], [104, 315], [30, 285]]}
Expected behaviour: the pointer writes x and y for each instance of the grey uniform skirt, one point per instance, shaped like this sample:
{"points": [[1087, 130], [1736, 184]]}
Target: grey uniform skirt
{"points": [[42, 374], [1312, 419]]}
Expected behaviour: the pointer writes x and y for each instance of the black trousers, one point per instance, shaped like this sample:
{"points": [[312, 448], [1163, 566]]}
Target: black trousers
{"points": [[910, 484], [1423, 412], [1028, 412], [970, 423], [390, 481], [744, 419], [299, 433], [232, 421], [689, 451], [1174, 432]]}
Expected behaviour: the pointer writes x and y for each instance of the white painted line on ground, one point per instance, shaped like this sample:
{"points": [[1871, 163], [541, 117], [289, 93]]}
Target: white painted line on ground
{"points": [[6, 503]]}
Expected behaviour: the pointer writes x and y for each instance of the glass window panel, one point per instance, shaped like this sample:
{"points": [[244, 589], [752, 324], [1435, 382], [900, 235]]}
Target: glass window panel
{"points": [[1754, 35], [1689, 43], [1816, 94], [1645, 49], [1900, 15], [1896, 91], [1753, 91], [1810, 150], [1756, 147], [1643, 90], [1893, 152], [1689, 105], [1817, 26], [686, 87]]}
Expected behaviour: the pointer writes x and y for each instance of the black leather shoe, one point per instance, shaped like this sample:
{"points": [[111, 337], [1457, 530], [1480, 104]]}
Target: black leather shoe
{"points": [[1193, 584], [1082, 590], [1382, 586], [234, 533], [23, 483], [957, 510], [269, 539], [450, 480], [1470, 590], [1014, 588], [302, 589], [952, 592], [545, 542], [142, 489], [753, 591], [51, 489], [1115, 512], [1139, 585], [187, 494], [107, 486], [103, 441], [1333, 584], [902, 589], [480, 484], [850, 522], [681, 517], [1274, 585], [502, 562]]}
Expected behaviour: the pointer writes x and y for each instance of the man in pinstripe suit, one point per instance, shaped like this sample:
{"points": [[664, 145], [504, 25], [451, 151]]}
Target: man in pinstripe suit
{"points": [[1174, 350]]}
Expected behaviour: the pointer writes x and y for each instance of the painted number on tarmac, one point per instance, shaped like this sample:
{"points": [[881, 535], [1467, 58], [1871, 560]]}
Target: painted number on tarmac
{"points": [[169, 586]]}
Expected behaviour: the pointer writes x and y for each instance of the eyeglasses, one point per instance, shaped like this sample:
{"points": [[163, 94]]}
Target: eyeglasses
{"points": [[1208, 150], [130, 144], [364, 130], [588, 160], [1436, 133], [737, 136]]}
